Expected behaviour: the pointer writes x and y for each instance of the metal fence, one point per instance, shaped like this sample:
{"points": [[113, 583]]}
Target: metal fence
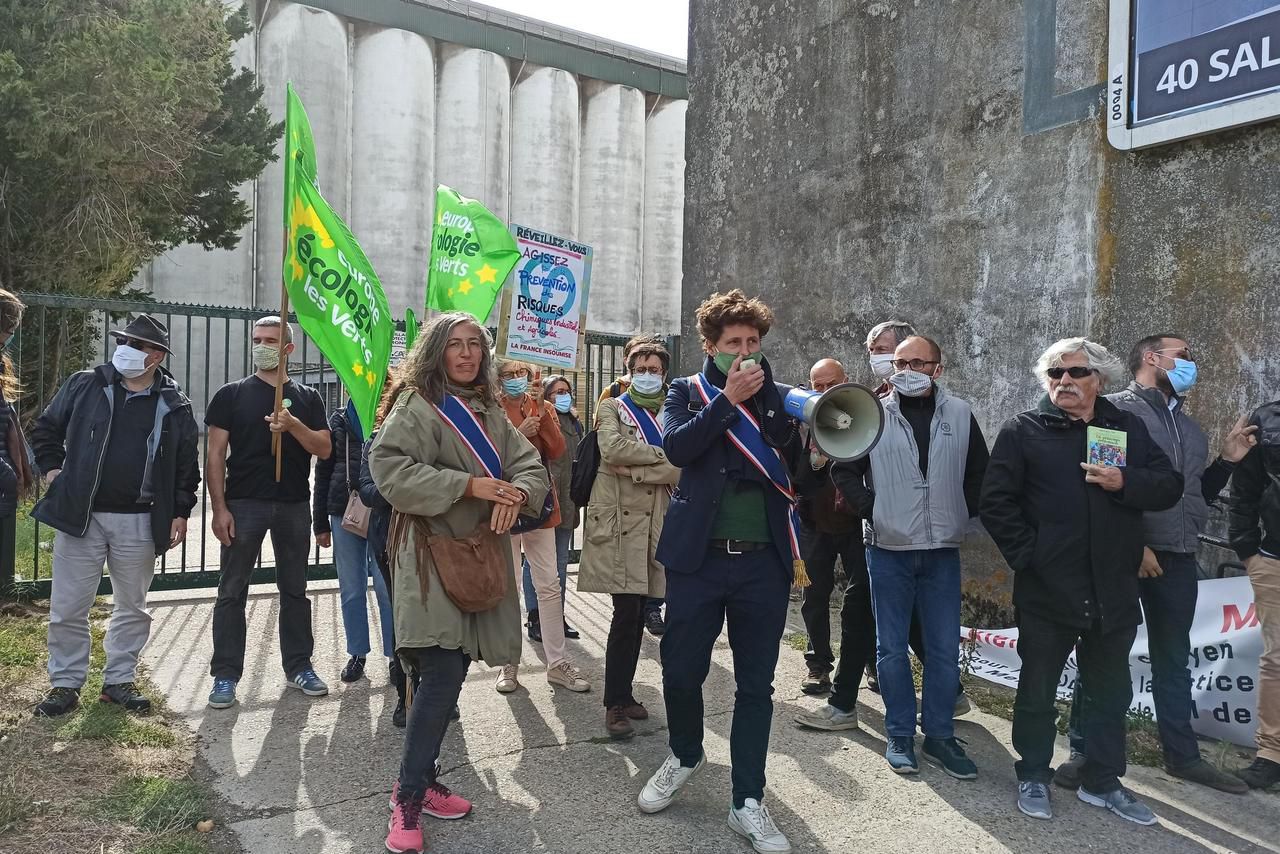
{"points": [[61, 334]]}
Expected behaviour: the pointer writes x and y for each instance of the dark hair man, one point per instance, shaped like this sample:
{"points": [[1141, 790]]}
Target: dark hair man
{"points": [[729, 546], [118, 449], [248, 503], [1071, 530], [1163, 371], [916, 492], [1255, 535]]}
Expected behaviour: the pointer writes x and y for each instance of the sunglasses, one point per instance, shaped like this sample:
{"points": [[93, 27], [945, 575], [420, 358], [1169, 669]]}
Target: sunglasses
{"points": [[1076, 372], [144, 346]]}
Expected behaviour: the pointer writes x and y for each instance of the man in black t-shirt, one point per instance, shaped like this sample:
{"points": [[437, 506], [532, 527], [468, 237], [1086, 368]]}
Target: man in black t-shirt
{"points": [[248, 502]]}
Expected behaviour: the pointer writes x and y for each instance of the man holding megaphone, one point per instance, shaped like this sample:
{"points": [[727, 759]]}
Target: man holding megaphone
{"points": [[730, 547]]}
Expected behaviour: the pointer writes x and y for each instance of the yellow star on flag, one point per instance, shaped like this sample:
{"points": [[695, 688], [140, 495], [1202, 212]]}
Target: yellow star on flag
{"points": [[368, 376], [357, 368], [487, 275], [465, 285]]}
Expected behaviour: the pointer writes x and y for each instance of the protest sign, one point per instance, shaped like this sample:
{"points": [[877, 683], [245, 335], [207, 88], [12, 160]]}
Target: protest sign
{"points": [[543, 318], [1226, 644]]}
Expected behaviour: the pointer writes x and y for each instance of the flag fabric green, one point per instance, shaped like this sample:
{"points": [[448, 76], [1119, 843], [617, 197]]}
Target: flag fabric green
{"points": [[410, 329], [472, 253], [332, 286]]}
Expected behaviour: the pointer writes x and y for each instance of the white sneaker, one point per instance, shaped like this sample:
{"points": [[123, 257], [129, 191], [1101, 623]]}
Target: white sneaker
{"points": [[665, 784], [753, 821], [566, 675], [507, 681]]}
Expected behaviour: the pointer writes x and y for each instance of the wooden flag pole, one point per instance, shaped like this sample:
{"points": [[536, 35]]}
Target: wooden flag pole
{"points": [[280, 375]]}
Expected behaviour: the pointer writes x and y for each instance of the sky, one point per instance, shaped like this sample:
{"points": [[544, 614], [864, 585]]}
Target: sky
{"points": [[657, 25]]}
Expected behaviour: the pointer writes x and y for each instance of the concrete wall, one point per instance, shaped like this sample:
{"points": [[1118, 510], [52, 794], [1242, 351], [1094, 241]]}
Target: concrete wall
{"points": [[946, 163], [395, 113]]}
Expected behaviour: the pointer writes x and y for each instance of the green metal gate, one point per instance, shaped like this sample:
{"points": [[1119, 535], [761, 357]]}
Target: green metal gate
{"points": [[62, 334]]}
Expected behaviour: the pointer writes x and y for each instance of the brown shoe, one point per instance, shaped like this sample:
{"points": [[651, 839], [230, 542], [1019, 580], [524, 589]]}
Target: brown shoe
{"points": [[617, 722], [636, 711]]}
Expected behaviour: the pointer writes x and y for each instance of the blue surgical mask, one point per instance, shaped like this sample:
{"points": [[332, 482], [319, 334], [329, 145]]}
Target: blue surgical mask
{"points": [[1183, 375], [647, 383], [515, 387], [564, 402]]}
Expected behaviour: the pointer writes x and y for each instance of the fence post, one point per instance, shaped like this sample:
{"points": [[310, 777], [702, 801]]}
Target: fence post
{"points": [[8, 554]]}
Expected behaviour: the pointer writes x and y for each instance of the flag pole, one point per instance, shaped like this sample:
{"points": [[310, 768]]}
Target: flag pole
{"points": [[281, 374]]}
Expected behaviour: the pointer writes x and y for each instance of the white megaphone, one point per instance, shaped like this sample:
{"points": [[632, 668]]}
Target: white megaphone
{"points": [[846, 420]]}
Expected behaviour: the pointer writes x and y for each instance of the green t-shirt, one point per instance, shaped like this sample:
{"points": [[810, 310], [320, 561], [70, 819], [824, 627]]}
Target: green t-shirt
{"points": [[743, 514]]}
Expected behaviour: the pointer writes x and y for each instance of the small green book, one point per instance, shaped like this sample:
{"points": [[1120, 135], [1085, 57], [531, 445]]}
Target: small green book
{"points": [[1107, 447]]}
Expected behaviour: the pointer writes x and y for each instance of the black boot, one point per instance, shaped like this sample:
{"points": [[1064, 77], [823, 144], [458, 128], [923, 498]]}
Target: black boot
{"points": [[398, 716], [535, 627]]}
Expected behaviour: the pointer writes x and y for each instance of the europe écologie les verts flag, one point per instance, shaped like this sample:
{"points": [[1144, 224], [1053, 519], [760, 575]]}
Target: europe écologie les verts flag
{"points": [[472, 253], [334, 291]]}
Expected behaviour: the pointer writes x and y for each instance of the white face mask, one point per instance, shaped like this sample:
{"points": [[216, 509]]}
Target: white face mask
{"points": [[647, 383], [911, 383], [129, 361], [882, 365], [266, 357]]}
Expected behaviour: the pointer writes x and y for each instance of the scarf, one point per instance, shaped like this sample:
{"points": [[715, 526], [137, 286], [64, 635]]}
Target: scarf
{"points": [[651, 402]]}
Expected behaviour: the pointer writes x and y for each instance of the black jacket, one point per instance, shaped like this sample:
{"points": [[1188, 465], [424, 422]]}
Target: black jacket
{"points": [[1254, 520], [72, 434], [379, 512], [1074, 547], [334, 482]]}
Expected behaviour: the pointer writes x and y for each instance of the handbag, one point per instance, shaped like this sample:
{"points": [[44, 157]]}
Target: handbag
{"points": [[472, 570], [355, 519]]}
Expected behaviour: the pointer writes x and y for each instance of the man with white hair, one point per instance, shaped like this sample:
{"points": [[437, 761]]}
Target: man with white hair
{"points": [[1063, 498]]}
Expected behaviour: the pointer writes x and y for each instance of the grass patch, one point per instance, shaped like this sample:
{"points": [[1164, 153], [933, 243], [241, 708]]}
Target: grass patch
{"points": [[98, 773], [799, 641], [31, 561], [155, 804]]}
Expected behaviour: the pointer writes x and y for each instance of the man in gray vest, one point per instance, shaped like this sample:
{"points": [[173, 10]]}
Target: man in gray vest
{"points": [[917, 491], [1163, 371]]}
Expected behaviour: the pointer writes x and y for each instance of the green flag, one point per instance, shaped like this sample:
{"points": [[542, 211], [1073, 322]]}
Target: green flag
{"points": [[472, 252], [410, 329], [336, 294]]}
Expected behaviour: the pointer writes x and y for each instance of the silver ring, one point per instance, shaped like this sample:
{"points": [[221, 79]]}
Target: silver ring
{"points": [[502, 491]]}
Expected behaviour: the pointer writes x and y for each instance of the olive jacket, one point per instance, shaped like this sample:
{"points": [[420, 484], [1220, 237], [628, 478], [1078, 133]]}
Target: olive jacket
{"points": [[624, 517], [422, 467]]}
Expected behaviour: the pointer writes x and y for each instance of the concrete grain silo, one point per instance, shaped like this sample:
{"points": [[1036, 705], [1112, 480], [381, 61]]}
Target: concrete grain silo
{"points": [[472, 112], [544, 151], [663, 218], [611, 210], [392, 154], [307, 47]]}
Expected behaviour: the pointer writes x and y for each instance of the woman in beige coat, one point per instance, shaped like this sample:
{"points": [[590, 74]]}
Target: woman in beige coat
{"points": [[438, 486], [624, 519]]}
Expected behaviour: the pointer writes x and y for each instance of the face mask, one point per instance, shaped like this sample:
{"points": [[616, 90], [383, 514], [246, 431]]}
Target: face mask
{"points": [[647, 384], [724, 361], [564, 402], [129, 361], [882, 365], [911, 383], [266, 357], [1183, 375], [515, 387]]}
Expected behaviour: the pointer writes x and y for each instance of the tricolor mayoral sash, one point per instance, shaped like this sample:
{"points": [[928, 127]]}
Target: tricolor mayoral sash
{"points": [[745, 435], [646, 423], [464, 422]]}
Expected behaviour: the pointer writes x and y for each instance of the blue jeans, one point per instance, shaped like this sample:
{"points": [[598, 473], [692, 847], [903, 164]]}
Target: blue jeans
{"points": [[564, 538], [355, 563], [901, 582]]}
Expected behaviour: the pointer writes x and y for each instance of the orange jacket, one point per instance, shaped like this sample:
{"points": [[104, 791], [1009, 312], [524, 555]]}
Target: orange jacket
{"points": [[549, 441]]}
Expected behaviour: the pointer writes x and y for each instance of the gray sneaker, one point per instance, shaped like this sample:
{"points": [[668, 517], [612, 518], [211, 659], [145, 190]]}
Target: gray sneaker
{"points": [[828, 717], [1033, 800], [1122, 803]]}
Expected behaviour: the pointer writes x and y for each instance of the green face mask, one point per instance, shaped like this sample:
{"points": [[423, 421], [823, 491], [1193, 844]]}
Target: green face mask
{"points": [[724, 361]]}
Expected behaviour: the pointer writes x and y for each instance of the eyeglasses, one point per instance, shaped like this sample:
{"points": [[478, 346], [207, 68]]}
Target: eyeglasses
{"points": [[639, 371], [913, 364], [512, 375], [1076, 372], [145, 346]]}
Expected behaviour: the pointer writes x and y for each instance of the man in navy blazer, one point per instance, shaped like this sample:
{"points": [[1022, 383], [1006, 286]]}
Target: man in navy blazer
{"points": [[728, 546]]}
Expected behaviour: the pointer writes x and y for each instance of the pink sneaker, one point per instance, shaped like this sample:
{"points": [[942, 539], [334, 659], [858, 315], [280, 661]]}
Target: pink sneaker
{"points": [[440, 802], [404, 831]]}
